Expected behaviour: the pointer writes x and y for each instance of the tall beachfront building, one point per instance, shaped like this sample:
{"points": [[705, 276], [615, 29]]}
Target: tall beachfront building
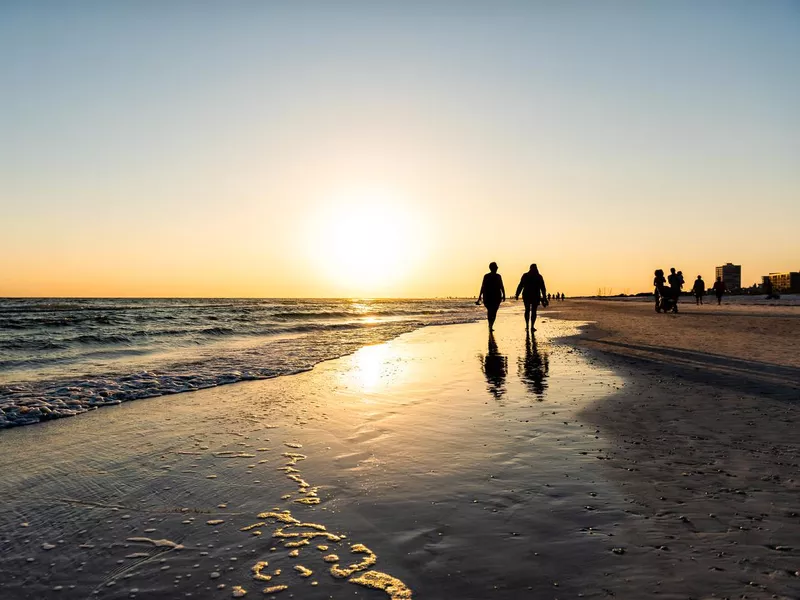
{"points": [[785, 282], [731, 274]]}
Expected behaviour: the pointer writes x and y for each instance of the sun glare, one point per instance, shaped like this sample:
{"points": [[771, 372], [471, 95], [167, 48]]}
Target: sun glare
{"points": [[365, 242]]}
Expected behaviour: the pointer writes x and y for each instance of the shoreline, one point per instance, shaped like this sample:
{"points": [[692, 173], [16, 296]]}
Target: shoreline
{"points": [[469, 470]]}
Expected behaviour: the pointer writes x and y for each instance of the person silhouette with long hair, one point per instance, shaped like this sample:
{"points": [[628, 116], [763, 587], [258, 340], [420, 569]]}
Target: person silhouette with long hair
{"points": [[659, 281], [492, 292], [495, 368], [534, 293], [534, 368]]}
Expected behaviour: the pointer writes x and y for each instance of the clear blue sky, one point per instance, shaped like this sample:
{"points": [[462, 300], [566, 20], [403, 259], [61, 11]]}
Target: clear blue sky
{"points": [[184, 148]]}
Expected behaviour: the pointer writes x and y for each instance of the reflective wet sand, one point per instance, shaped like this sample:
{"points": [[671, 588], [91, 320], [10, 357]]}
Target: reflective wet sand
{"points": [[408, 469]]}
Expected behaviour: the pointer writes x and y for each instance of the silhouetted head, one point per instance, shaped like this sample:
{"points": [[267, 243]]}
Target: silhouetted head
{"points": [[699, 277], [493, 267], [672, 270], [534, 268], [680, 272], [719, 278], [658, 272]]}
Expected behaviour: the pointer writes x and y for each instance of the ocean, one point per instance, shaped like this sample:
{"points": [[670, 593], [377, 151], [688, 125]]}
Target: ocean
{"points": [[63, 357]]}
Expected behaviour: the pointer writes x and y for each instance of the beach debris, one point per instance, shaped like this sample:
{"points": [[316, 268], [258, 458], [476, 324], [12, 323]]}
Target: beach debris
{"points": [[274, 589], [238, 591], [233, 454], [215, 522], [48, 546], [157, 543], [294, 534], [618, 550], [258, 569], [304, 572], [395, 588]]}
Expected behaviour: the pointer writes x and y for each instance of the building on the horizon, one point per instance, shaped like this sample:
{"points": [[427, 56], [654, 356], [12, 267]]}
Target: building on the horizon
{"points": [[785, 282], [731, 274]]}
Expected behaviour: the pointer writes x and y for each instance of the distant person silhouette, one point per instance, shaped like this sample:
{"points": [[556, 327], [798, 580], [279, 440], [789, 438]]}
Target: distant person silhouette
{"points": [[659, 282], [534, 293], [699, 288], [548, 298], [492, 292], [769, 290], [534, 367], [719, 289], [675, 282], [495, 368]]}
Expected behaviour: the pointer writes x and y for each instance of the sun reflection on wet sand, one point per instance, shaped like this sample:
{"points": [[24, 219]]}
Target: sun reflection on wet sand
{"points": [[369, 366]]}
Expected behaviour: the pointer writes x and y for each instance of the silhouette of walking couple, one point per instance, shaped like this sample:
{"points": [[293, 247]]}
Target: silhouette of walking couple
{"points": [[531, 286]]}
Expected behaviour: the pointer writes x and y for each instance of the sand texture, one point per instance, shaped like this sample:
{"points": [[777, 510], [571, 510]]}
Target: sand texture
{"points": [[439, 465]]}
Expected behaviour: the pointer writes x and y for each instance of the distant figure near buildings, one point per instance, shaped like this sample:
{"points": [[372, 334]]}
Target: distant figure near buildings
{"points": [[675, 284], [769, 290], [492, 292], [534, 292], [659, 283], [699, 288], [548, 299], [719, 289]]}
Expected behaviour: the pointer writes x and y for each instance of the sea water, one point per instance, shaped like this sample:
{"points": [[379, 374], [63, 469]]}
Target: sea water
{"points": [[62, 357]]}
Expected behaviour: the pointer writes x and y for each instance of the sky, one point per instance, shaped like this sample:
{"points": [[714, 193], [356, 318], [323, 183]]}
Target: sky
{"points": [[341, 148]]}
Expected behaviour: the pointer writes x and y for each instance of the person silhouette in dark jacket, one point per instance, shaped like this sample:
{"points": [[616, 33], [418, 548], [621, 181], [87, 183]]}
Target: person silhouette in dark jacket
{"points": [[492, 292], [534, 293]]}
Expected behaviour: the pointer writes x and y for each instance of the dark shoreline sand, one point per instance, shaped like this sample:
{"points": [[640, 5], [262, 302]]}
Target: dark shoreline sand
{"points": [[706, 439], [533, 472]]}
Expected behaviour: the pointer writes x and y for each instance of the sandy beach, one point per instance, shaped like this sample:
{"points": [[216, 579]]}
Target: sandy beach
{"points": [[442, 464]]}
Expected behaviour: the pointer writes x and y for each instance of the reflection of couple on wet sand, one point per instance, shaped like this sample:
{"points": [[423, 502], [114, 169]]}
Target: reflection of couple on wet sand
{"points": [[532, 369], [531, 285]]}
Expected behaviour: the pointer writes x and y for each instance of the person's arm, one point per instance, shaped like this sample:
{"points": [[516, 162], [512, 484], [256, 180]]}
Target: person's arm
{"points": [[502, 289], [519, 287], [544, 288], [480, 294]]}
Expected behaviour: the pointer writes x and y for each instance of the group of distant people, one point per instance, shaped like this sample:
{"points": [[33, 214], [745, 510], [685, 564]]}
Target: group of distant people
{"points": [[531, 286], [668, 289], [556, 296]]}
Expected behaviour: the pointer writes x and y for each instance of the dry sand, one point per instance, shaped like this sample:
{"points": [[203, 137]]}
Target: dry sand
{"points": [[455, 468]]}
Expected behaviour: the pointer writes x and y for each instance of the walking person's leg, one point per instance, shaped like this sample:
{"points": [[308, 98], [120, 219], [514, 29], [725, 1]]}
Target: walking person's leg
{"points": [[491, 312], [527, 311], [534, 306]]}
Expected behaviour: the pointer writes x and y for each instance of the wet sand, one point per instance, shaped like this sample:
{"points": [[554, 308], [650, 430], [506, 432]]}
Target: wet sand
{"points": [[438, 465], [706, 443]]}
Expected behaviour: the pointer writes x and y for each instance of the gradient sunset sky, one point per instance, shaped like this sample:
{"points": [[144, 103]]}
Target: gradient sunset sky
{"points": [[376, 148]]}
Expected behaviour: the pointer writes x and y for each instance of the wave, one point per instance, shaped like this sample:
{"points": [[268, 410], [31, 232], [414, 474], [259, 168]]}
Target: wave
{"points": [[44, 399]]}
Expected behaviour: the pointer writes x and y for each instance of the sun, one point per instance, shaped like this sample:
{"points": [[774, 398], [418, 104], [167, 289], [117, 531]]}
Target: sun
{"points": [[365, 243]]}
